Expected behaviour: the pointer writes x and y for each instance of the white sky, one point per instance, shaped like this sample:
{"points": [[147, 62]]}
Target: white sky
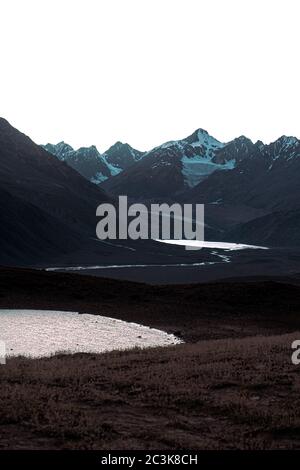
{"points": [[148, 71]]}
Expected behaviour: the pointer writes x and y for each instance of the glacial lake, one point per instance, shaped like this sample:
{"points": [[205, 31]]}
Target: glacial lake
{"points": [[38, 333]]}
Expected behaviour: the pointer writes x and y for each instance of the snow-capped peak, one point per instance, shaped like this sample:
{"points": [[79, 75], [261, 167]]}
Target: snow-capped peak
{"points": [[288, 141], [202, 138], [60, 150]]}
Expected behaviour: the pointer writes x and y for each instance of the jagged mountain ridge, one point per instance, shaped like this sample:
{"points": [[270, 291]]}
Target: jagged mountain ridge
{"points": [[93, 165], [198, 168], [251, 195], [263, 190], [122, 155], [267, 178], [186, 162], [176, 166]]}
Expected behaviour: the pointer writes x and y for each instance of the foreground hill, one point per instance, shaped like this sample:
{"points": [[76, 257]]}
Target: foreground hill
{"points": [[217, 394], [234, 388], [28, 233], [47, 206], [271, 302]]}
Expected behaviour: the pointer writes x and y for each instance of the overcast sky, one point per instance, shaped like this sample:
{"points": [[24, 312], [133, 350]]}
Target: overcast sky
{"points": [[149, 71]]}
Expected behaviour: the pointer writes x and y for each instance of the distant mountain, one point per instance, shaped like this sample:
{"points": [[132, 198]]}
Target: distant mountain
{"points": [[258, 202], [236, 150], [86, 160], [60, 150], [93, 165], [178, 165], [46, 206], [163, 171], [197, 168], [122, 155], [267, 179], [251, 192]]}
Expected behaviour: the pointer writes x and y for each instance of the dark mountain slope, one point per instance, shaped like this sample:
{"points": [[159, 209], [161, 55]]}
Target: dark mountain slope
{"points": [[176, 166], [258, 201], [147, 178], [169, 168], [29, 172], [122, 155], [47, 209], [268, 179], [27, 233], [276, 229]]}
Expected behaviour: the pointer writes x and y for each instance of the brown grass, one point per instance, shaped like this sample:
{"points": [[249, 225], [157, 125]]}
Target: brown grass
{"points": [[218, 394]]}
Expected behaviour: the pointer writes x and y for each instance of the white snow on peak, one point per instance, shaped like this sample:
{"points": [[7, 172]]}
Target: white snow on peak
{"points": [[217, 245], [135, 154], [206, 140], [289, 141], [289, 144], [114, 170], [172, 143], [98, 178], [197, 169], [60, 150]]}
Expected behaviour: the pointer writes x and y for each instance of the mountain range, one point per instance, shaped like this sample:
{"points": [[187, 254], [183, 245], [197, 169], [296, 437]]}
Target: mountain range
{"points": [[49, 193], [93, 165], [198, 166], [239, 181], [138, 174], [177, 166]]}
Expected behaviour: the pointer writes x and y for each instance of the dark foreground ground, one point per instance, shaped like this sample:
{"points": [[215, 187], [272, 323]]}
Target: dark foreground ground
{"points": [[219, 394], [194, 312], [232, 385]]}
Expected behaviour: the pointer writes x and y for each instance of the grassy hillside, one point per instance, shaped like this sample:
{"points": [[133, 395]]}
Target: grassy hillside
{"points": [[218, 394]]}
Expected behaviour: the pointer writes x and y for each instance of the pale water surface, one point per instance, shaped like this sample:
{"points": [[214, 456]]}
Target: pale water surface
{"points": [[216, 245], [39, 333]]}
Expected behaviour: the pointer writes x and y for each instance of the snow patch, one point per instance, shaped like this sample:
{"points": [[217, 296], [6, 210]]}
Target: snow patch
{"points": [[196, 169], [98, 178], [220, 245], [114, 170], [205, 140]]}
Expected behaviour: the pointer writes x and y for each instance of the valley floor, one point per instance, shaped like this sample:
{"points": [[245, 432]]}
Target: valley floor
{"points": [[231, 386]]}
